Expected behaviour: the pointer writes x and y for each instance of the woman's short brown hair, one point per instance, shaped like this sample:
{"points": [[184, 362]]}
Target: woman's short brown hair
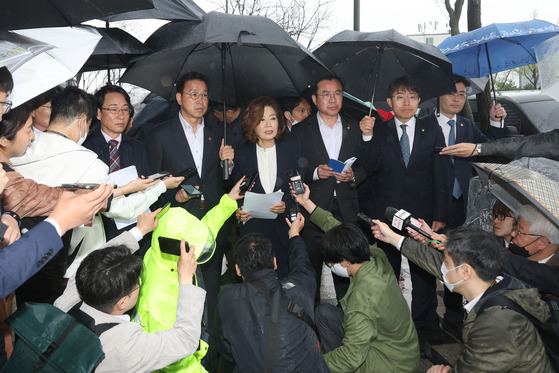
{"points": [[253, 115]]}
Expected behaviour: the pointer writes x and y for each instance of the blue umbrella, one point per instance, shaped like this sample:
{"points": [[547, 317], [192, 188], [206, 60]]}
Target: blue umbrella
{"points": [[496, 47]]}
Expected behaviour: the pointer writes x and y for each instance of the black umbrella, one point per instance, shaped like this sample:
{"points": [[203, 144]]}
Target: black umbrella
{"points": [[171, 10], [243, 56], [24, 14], [115, 50], [368, 61]]}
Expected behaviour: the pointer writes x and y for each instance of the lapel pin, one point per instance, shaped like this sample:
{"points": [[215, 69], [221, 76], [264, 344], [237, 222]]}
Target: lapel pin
{"points": [[423, 130], [209, 139]]}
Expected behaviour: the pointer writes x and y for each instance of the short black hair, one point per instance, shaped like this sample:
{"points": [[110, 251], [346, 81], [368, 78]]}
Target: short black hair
{"points": [[191, 75], [345, 242], [44, 98], [111, 88], [289, 103], [314, 86], [106, 275], [14, 120], [406, 82], [72, 103], [254, 252], [480, 249], [460, 79], [6, 80]]}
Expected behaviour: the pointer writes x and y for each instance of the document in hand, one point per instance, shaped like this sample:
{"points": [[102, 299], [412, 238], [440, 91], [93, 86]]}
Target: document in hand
{"points": [[258, 204], [339, 167]]}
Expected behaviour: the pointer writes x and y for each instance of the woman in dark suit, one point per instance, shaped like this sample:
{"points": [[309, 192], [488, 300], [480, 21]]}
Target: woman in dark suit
{"points": [[263, 125]]}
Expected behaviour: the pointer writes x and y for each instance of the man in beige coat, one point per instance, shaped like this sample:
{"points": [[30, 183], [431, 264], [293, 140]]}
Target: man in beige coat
{"points": [[107, 282]]}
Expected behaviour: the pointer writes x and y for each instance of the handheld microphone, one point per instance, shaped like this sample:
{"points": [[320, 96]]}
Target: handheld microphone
{"points": [[402, 219]]}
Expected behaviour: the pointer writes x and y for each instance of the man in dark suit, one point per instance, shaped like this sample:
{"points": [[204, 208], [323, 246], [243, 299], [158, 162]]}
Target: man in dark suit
{"points": [[114, 112], [112, 146], [409, 175], [186, 142], [462, 130], [322, 137], [457, 129]]}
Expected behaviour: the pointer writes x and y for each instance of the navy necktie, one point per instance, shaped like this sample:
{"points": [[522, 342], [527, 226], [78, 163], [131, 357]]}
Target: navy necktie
{"points": [[456, 190], [405, 144]]}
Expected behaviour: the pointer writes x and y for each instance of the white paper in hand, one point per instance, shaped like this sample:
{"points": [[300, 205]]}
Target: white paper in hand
{"points": [[259, 204]]}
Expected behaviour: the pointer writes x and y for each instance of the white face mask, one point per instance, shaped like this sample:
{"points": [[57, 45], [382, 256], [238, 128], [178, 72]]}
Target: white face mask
{"points": [[444, 271], [82, 139], [338, 270]]}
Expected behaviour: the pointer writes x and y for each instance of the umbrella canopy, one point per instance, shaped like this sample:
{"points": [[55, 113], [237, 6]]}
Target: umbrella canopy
{"points": [[516, 186], [24, 14], [496, 47], [547, 54], [171, 10], [16, 49], [115, 50], [73, 46], [243, 56], [368, 61]]}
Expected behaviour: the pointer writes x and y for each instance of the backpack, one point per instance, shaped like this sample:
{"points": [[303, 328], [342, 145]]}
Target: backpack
{"points": [[51, 340], [549, 330]]}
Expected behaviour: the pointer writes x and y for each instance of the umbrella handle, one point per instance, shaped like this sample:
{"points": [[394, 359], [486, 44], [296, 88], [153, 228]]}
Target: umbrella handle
{"points": [[225, 166]]}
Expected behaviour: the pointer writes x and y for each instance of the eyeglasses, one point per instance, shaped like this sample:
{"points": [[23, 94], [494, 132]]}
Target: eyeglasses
{"points": [[195, 95], [460, 95], [401, 98], [7, 105], [327, 95], [115, 111], [302, 111], [501, 217], [515, 229]]}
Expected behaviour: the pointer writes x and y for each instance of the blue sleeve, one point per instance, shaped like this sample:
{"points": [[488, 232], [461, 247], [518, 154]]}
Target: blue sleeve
{"points": [[25, 257]]}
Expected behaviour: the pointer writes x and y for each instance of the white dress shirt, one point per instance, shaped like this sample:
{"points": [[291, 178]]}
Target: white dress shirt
{"points": [[195, 141], [267, 167], [332, 139], [410, 130]]}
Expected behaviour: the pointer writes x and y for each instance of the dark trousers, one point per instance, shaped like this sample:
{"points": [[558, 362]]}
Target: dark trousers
{"points": [[424, 296], [329, 320]]}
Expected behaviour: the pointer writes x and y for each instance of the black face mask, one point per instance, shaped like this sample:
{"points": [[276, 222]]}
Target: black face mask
{"points": [[519, 250]]}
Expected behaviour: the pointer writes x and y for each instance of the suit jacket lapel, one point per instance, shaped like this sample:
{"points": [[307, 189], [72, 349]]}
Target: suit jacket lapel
{"points": [[394, 141], [316, 137], [209, 148], [345, 132], [181, 143]]}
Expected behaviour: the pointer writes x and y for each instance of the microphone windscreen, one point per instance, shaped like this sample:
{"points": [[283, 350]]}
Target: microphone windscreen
{"points": [[390, 212]]}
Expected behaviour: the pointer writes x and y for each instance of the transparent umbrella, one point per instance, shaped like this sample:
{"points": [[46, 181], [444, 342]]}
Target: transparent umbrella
{"points": [[547, 55]]}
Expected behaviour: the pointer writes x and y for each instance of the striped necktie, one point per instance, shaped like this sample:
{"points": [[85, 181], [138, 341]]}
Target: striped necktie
{"points": [[114, 156]]}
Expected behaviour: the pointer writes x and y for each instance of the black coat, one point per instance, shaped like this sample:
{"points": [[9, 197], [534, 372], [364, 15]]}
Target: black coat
{"points": [[132, 152], [466, 131], [169, 151], [246, 162], [314, 153], [243, 317], [421, 188]]}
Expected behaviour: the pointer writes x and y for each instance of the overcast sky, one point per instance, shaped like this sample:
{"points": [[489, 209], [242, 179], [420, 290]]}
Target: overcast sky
{"points": [[404, 15]]}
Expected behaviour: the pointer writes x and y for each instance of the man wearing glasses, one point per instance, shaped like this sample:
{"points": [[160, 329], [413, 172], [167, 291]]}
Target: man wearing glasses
{"points": [[322, 137], [408, 175], [537, 235], [185, 141], [457, 129], [108, 141]]}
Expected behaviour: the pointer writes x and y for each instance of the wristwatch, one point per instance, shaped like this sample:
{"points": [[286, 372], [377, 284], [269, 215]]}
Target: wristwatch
{"points": [[13, 215], [478, 148]]}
